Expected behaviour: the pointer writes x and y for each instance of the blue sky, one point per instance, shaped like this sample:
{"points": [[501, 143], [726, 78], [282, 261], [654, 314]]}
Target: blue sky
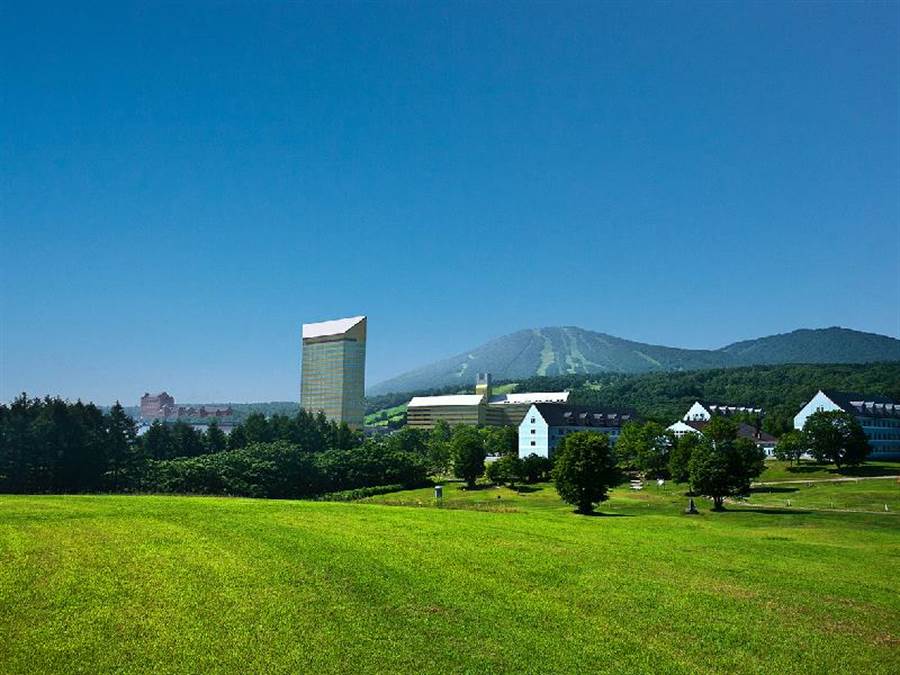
{"points": [[182, 187]]}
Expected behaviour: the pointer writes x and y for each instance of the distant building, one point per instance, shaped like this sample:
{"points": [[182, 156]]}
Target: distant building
{"points": [[204, 411], [878, 416], [157, 406], [765, 442], [546, 424], [481, 408], [702, 411], [334, 369], [162, 407]]}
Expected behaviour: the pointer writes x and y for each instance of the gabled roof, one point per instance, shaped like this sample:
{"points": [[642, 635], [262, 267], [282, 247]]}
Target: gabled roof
{"points": [[869, 405], [453, 399], [335, 327], [530, 397], [728, 408], [744, 431], [561, 415]]}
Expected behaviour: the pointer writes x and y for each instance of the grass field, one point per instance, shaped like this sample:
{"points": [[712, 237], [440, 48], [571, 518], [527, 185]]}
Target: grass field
{"points": [[168, 584], [807, 470]]}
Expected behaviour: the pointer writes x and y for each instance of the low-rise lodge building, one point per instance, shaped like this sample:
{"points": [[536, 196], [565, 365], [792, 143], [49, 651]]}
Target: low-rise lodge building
{"points": [[546, 424], [878, 416], [703, 411], [764, 441]]}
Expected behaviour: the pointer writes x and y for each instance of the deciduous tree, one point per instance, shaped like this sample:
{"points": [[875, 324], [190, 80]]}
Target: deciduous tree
{"points": [[835, 436], [467, 452], [724, 467], [584, 470]]}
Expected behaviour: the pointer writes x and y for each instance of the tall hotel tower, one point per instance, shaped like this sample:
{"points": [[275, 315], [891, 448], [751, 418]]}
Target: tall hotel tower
{"points": [[334, 369]]}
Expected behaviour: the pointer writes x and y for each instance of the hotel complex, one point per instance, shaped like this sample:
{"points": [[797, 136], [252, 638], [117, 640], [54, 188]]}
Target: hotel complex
{"points": [[481, 408], [334, 368]]}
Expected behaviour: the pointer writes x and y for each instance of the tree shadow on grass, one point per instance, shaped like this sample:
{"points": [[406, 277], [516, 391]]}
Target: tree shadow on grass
{"points": [[527, 489], [771, 489], [848, 471], [601, 514], [807, 468], [864, 471]]}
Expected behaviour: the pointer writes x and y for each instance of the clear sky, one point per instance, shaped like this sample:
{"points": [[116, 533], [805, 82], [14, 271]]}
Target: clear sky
{"points": [[182, 187]]}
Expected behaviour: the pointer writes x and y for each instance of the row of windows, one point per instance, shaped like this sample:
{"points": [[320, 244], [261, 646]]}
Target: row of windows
{"points": [[883, 436]]}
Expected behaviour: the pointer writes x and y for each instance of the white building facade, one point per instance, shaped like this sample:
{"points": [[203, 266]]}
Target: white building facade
{"points": [[878, 416], [546, 424]]}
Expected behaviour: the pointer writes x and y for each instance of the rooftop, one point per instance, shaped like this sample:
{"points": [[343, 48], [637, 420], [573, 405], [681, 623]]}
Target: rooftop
{"points": [[452, 399], [334, 327], [869, 405], [530, 397], [744, 431], [558, 415]]}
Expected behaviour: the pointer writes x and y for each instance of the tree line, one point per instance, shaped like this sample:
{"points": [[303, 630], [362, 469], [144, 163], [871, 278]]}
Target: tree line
{"points": [[50, 445], [54, 446]]}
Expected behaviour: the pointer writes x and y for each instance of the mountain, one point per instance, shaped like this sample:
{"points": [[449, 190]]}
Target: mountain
{"points": [[568, 349]]}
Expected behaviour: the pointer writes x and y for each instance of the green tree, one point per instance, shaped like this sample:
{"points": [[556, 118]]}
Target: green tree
{"points": [[439, 447], [409, 439], [507, 470], [467, 453], [237, 438], [724, 467], [501, 441], [835, 436], [122, 452], [680, 457], [653, 452], [790, 446], [645, 447], [536, 468], [186, 441], [158, 441], [257, 428], [215, 439], [584, 470], [628, 445]]}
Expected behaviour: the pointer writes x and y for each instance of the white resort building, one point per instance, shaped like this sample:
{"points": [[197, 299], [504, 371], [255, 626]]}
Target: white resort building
{"points": [[878, 416], [545, 424]]}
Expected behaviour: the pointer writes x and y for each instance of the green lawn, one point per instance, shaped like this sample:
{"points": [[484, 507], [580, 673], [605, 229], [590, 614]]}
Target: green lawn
{"points": [[777, 470], [178, 584], [862, 495]]}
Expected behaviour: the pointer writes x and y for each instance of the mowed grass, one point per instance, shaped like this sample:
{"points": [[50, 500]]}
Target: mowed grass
{"points": [[863, 495], [777, 470], [178, 584]]}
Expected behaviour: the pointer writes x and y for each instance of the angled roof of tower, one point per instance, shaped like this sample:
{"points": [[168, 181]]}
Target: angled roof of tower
{"points": [[334, 327]]}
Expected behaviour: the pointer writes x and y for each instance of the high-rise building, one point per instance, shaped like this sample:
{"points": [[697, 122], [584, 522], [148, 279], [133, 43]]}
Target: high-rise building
{"points": [[334, 368]]}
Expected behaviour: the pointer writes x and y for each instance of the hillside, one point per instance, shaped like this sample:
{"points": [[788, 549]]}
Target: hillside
{"points": [[516, 584], [572, 350]]}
